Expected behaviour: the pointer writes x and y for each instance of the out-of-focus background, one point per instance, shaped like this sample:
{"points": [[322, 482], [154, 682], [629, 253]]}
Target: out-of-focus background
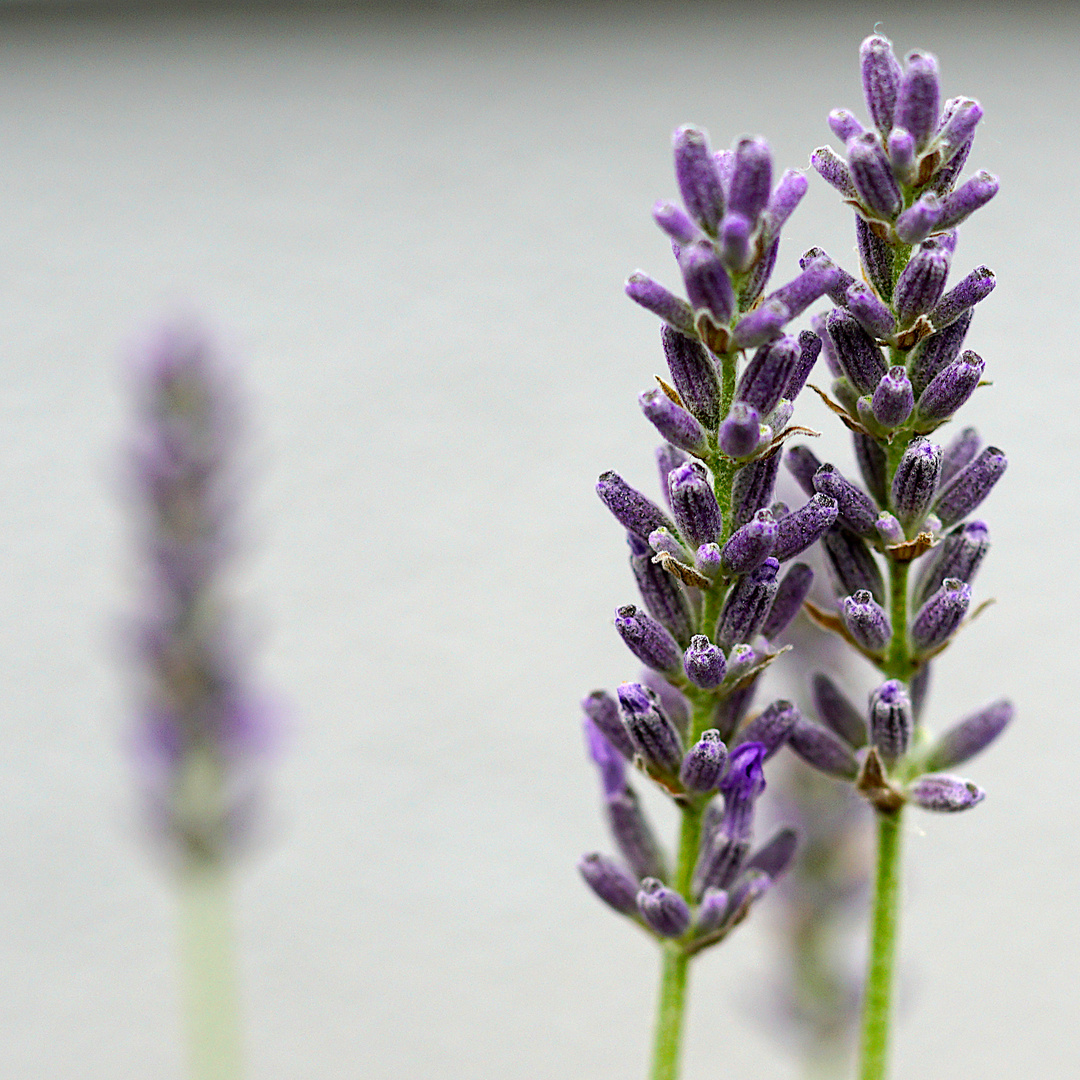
{"points": [[412, 226]]}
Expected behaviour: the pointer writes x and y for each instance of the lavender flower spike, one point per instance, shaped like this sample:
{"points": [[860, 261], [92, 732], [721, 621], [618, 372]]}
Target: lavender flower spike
{"points": [[602, 709], [971, 735], [820, 748], [854, 506], [633, 835], [663, 909], [946, 794], [834, 171], [707, 283], [610, 881], [835, 710], [740, 433], [967, 198]]}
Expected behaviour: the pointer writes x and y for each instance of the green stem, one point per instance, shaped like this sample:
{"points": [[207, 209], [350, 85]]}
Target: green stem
{"points": [[209, 978], [898, 663], [879, 979], [670, 1012]]}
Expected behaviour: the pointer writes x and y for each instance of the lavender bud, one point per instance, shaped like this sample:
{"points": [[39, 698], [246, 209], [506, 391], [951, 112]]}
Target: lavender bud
{"points": [[872, 315], [821, 276], [893, 399], [917, 222], [881, 77], [837, 293], [661, 592], [652, 733], [918, 101], [871, 459], [698, 178], [796, 532], [672, 701], [855, 508], [970, 486], [746, 606], [744, 780], [663, 909], [866, 621], [740, 661], [752, 487], [707, 283], [751, 887], [809, 348], [891, 720], [834, 170], [785, 197], [704, 763], [675, 223], [823, 750], [949, 389], [946, 794], [945, 178], [803, 464], [647, 639], [740, 433], [958, 130], [652, 296], [694, 374], [708, 561], [758, 276], [958, 557], [852, 563], [751, 178], [859, 356], [793, 589], [762, 383], [750, 545], [734, 243], [659, 540], [635, 512], [775, 855], [835, 710], [694, 505], [959, 453], [614, 885], [668, 458], [673, 422], [937, 620], [609, 762], [935, 353], [973, 734], [873, 178], [762, 324], [634, 836], [843, 125], [916, 480], [889, 529], [921, 283], [876, 257], [600, 707], [967, 198], [704, 663], [771, 728], [900, 148], [710, 914], [978, 285]]}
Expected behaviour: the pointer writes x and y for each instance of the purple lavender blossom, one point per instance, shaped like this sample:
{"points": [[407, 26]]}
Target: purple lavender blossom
{"points": [[610, 881], [947, 794], [663, 909]]}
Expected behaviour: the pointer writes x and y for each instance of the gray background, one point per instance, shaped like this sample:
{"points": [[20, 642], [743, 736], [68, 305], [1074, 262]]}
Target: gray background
{"points": [[413, 229]]}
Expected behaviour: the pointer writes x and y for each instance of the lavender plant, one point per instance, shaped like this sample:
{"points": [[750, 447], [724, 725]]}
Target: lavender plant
{"points": [[708, 567]]}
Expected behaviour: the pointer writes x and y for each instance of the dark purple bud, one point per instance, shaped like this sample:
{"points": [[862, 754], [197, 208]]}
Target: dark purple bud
{"points": [[752, 487], [707, 283], [698, 178], [635, 512], [647, 639], [763, 382], [858, 354], [796, 532], [803, 464], [634, 836], [916, 480], [675, 223], [775, 855], [876, 257], [661, 592], [694, 505], [935, 353], [936, 621], [785, 197], [960, 452], [967, 198], [978, 285], [823, 750], [921, 283], [963, 114], [970, 486], [917, 222], [762, 324], [704, 763], [771, 728], [704, 663], [900, 148], [843, 125], [809, 350], [663, 909], [893, 399], [871, 459], [855, 508], [973, 734], [601, 708], [918, 102], [793, 589], [652, 296], [959, 556], [750, 545], [734, 243], [610, 763], [747, 604], [711, 912], [866, 621], [821, 276], [872, 315], [740, 433], [873, 177], [949, 389], [751, 178], [834, 170], [610, 881], [654, 736], [694, 373], [852, 563], [835, 710], [946, 794], [673, 422], [881, 76], [891, 720]]}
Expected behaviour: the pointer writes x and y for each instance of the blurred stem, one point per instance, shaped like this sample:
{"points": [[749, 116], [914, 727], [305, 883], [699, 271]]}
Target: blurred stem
{"points": [[206, 953], [670, 1012]]}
